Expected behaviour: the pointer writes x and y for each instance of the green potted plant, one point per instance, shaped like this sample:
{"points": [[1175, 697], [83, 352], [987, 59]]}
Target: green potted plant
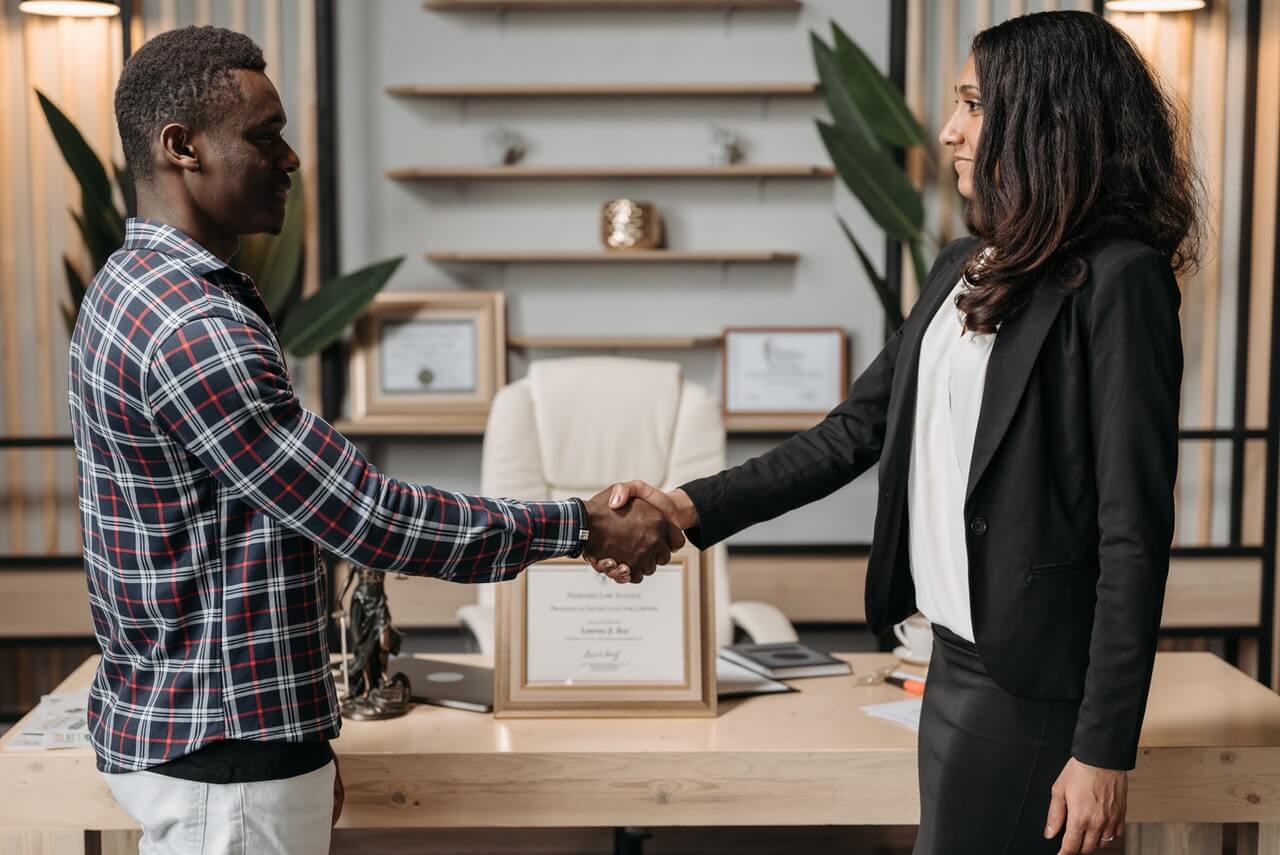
{"points": [[307, 324], [869, 118]]}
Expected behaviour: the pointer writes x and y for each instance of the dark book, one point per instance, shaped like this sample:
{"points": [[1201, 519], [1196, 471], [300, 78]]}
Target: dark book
{"points": [[786, 660]]}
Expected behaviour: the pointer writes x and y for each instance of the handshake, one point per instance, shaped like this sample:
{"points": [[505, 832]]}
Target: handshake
{"points": [[634, 528]]}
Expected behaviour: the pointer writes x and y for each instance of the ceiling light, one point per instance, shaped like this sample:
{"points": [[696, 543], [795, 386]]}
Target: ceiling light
{"points": [[71, 8], [1154, 5]]}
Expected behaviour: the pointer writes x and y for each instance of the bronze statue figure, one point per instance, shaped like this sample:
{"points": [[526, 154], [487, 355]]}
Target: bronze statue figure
{"points": [[371, 693]]}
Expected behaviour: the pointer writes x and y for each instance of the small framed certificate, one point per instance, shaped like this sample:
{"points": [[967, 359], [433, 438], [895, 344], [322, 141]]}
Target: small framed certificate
{"points": [[428, 353], [794, 371], [572, 642]]}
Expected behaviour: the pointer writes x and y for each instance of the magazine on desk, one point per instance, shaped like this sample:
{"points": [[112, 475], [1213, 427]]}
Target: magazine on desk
{"points": [[59, 721]]}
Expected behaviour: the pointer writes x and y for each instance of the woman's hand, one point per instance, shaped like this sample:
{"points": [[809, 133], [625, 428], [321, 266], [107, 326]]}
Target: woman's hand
{"points": [[1092, 803]]}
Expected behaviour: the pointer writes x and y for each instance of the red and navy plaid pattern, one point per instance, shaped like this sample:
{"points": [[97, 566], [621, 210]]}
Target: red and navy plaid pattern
{"points": [[204, 490]]}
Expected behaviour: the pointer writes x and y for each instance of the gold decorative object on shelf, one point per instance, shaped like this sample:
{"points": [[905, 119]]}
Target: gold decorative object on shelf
{"points": [[626, 225]]}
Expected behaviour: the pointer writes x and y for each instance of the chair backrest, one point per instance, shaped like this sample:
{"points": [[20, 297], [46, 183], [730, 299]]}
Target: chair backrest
{"points": [[575, 426]]}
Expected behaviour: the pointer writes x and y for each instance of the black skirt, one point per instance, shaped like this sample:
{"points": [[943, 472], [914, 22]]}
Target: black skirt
{"points": [[988, 759]]}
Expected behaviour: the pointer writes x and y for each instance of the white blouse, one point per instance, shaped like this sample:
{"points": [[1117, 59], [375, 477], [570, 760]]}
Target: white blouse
{"points": [[953, 370]]}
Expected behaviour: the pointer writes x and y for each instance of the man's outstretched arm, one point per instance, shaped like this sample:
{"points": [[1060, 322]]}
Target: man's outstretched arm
{"points": [[217, 386]]}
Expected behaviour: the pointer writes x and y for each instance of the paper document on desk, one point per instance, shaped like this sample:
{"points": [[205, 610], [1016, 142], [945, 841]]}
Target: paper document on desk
{"points": [[58, 722], [905, 713]]}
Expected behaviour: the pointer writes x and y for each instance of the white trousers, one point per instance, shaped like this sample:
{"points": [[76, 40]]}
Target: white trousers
{"points": [[286, 817]]}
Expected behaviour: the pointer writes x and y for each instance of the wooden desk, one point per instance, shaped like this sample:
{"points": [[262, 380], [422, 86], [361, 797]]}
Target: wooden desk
{"points": [[1210, 756]]}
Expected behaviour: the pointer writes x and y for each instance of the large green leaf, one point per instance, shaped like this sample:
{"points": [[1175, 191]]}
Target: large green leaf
{"points": [[79, 156], [917, 261], [124, 180], [279, 273], [319, 320], [878, 183], [836, 91], [888, 300], [879, 102], [76, 286], [68, 316], [252, 255], [75, 282], [97, 237]]}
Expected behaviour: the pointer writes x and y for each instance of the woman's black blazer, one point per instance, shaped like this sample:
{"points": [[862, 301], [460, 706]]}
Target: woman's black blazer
{"points": [[1068, 513]]}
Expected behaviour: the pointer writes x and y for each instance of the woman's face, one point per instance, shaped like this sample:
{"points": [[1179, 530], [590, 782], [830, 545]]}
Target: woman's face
{"points": [[962, 129]]}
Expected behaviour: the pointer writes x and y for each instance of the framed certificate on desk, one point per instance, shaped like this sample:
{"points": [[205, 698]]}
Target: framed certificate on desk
{"points": [[793, 371], [572, 642], [428, 353]]}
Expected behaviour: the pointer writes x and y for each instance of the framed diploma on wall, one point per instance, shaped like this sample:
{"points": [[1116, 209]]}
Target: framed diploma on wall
{"points": [[793, 371], [423, 353], [572, 642]]}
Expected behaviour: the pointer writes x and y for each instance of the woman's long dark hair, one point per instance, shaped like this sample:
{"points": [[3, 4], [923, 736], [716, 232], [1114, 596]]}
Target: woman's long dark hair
{"points": [[1079, 140]]}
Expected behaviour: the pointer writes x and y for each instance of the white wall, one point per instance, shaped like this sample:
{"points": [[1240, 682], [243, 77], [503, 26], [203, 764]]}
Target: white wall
{"points": [[397, 42]]}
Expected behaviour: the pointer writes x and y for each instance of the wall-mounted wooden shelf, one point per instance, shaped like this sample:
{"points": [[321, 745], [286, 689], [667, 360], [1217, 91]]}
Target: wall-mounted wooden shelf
{"points": [[607, 5], [647, 256], [769, 424], [603, 90], [533, 342], [749, 170]]}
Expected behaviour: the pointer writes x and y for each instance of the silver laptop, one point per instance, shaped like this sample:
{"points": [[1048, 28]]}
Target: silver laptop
{"points": [[446, 684]]}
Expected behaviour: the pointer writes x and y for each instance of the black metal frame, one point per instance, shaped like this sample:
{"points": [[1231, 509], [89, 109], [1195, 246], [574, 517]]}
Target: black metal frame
{"points": [[332, 372]]}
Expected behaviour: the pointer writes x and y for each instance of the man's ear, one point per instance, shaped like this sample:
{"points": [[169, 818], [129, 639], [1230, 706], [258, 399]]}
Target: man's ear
{"points": [[175, 147]]}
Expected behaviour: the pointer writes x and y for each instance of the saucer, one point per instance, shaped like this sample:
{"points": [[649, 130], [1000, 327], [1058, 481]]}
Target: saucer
{"points": [[904, 654]]}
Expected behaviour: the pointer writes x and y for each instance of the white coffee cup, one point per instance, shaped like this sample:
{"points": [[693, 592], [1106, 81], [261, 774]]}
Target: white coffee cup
{"points": [[916, 635]]}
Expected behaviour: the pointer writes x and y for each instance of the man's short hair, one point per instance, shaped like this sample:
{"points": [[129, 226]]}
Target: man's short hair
{"points": [[181, 76]]}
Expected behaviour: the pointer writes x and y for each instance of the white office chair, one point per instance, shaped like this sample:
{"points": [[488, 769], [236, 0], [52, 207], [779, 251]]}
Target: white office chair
{"points": [[575, 426]]}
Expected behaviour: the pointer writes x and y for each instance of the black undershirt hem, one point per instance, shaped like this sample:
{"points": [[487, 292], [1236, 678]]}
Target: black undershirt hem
{"points": [[238, 761]]}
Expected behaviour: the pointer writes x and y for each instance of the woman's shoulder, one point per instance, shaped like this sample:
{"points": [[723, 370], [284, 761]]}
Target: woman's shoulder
{"points": [[1109, 255], [959, 247], [1124, 270]]}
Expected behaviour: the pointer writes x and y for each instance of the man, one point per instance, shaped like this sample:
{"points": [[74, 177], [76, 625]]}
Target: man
{"points": [[205, 487]]}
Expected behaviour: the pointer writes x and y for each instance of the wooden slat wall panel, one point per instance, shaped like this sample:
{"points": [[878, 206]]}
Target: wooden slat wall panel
{"points": [[38, 37], [11, 141], [1189, 52], [1208, 104], [76, 62], [35, 230]]}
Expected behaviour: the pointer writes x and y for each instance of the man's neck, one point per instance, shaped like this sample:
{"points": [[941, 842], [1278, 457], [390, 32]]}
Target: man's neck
{"points": [[190, 221]]}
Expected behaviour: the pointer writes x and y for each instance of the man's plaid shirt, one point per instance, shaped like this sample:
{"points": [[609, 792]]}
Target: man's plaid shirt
{"points": [[204, 489]]}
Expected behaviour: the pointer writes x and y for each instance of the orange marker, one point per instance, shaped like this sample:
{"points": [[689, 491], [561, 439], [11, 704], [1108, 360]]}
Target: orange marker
{"points": [[908, 685]]}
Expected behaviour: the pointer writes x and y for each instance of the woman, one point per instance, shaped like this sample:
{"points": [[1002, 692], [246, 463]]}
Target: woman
{"points": [[1024, 419]]}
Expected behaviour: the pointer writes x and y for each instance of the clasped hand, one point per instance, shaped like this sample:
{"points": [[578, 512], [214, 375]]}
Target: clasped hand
{"points": [[634, 529]]}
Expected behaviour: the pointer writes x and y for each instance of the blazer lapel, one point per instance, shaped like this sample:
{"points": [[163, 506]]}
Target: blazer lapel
{"points": [[1012, 356]]}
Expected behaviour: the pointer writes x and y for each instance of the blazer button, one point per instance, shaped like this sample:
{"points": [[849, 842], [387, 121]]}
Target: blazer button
{"points": [[978, 526]]}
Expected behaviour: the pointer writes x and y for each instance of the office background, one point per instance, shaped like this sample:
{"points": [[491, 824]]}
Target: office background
{"points": [[334, 63]]}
